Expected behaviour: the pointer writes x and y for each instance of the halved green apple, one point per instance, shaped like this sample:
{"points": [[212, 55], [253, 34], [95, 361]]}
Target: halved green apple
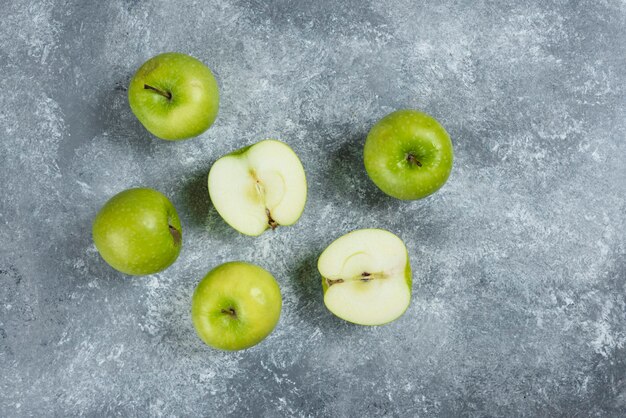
{"points": [[366, 277], [259, 187]]}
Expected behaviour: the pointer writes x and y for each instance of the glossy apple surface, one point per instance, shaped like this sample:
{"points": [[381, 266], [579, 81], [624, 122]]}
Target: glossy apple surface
{"points": [[138, 232], [236, 306], [259, 187], [366, 277], [174, 96], [408, 155]]}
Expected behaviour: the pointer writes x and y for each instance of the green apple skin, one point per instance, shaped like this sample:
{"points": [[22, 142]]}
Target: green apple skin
{"points": [[408, 155], [138, 232], [182, 97], [236, 306]]}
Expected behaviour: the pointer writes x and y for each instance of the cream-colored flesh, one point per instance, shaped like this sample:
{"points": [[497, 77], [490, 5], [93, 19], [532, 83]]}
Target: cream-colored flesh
{"points": [[365, 277], [262, 188]]}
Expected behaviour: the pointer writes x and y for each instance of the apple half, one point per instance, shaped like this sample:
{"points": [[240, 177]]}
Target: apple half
{"points": [[259, 187], [366, 277]]}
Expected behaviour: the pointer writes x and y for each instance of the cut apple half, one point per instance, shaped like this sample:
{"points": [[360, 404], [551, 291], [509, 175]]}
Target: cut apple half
{"points": [[366, 277], [259, 187]]}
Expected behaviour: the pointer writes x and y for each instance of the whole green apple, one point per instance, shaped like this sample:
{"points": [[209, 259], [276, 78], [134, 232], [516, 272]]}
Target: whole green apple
{"points": [[236, 306], [408, 154], [138, 232], [174, 96]]}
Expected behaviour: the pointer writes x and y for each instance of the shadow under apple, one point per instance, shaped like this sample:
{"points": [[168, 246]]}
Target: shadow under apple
{"points": [[307, 284], [195, 198], [117, 119], [347, 177], [196, 209], [307, 287]]}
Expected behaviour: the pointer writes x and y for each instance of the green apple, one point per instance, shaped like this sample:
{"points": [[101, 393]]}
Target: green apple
{"points": [[236, 306], [138, 232], [259, 187], [408, 155], [366, 277], [174, 96]]}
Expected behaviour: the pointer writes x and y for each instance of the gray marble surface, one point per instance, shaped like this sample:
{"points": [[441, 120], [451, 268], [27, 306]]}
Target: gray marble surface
{"points": [[519, 262]]}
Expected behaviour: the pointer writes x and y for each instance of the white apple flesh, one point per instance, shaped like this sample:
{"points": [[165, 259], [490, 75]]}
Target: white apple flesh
{"points": [[259, 187], [366, 277]]}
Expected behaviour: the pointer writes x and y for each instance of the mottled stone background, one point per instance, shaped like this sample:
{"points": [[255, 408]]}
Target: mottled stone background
{"points": [[519, 262]]}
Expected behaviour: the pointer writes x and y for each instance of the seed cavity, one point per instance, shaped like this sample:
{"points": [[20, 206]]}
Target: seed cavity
{"points": [[363, 277], [261, 191]]}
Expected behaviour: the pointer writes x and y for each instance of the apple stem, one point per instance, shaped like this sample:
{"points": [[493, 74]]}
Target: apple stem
{"points": [[413, 160], [165, 94], [331, 282], [230, 311], [175, 234], [272, 223]]}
